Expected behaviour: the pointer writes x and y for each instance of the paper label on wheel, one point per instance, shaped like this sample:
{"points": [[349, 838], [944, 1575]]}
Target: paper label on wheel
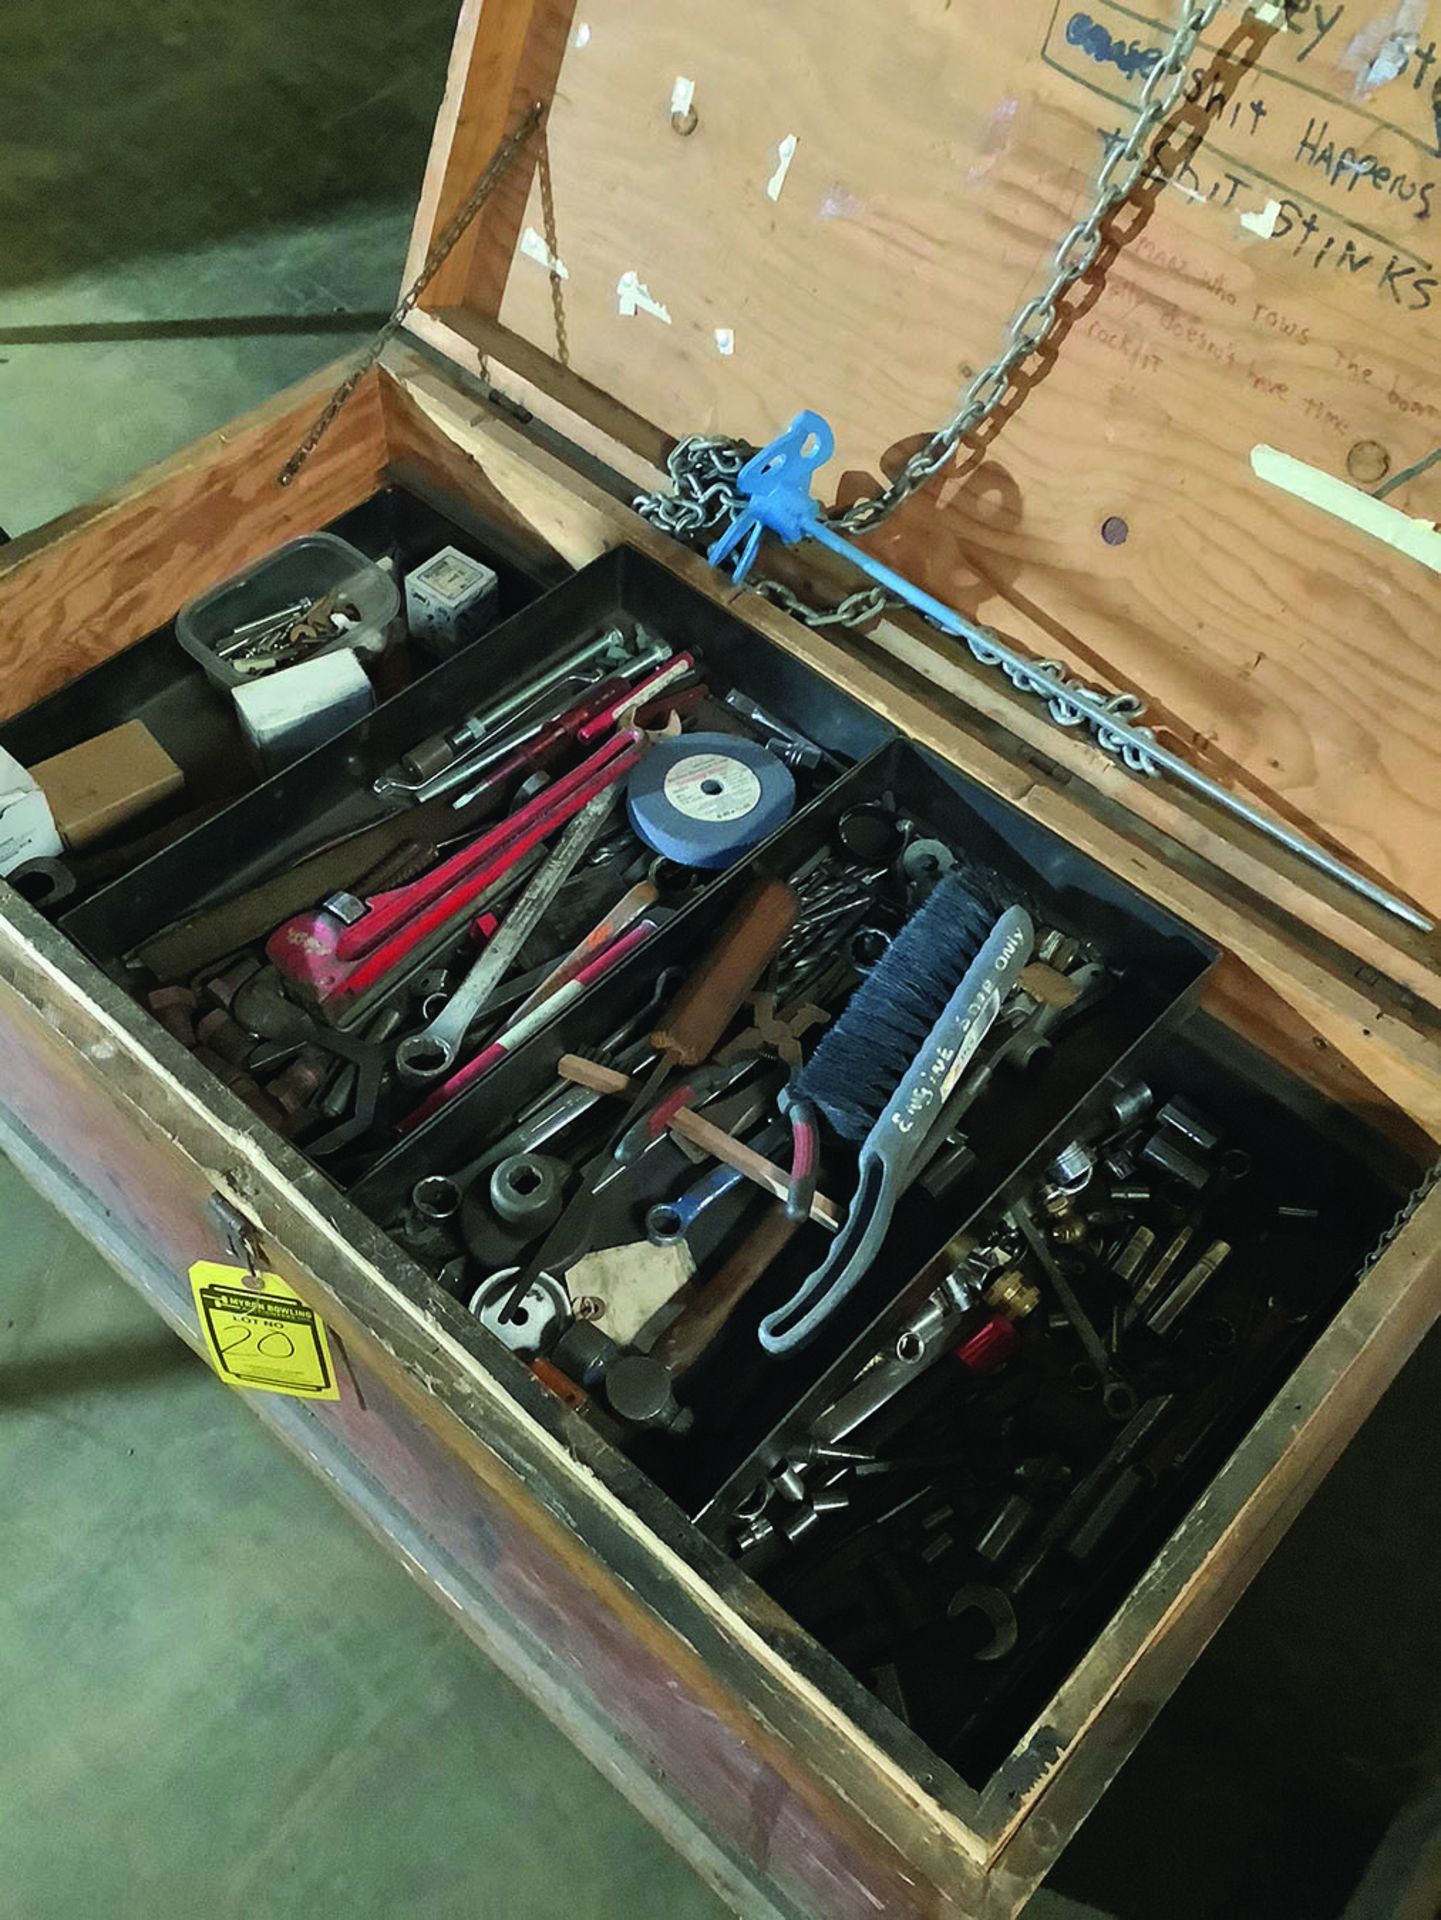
{"points": [[260, 1334], [712, 786]]}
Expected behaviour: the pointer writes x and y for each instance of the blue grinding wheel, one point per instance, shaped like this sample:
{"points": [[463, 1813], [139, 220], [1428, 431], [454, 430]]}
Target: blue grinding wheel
{"points": [[704, 799]]}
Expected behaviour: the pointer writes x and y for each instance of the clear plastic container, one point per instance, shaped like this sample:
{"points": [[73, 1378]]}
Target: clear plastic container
{"points": [[301, 571]]}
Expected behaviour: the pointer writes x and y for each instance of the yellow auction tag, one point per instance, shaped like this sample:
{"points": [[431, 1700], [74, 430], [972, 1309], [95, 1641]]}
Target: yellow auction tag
{"points": [[261, 1334]]}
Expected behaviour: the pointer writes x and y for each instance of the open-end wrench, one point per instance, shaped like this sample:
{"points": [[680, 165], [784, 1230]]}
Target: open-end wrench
{"points": [[583, 724], [672, 669], [349, 945], [433, 1051], [1118, 1396]]}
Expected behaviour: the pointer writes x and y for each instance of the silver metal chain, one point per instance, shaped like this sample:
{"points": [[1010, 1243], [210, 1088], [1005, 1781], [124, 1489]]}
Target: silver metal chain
{"points": [[701, 503], [1120, 171], [1409, 1209], [702, 469]]}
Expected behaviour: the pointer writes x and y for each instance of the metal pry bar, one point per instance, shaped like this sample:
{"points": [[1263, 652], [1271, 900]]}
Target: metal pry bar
{"points": [[774, 495]]}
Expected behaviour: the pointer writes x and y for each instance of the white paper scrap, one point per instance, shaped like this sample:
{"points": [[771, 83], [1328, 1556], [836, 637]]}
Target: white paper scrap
{"points": [[533, 246], [787, 152], [1264, 222], [633, 296], [725, 340], [682, 95]]}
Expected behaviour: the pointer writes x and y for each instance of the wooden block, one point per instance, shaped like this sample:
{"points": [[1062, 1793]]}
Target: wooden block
{"points": [[106, 782]]}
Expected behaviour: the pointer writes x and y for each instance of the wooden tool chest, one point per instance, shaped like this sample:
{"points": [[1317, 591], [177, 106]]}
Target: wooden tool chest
{"points": [[753, 216]]}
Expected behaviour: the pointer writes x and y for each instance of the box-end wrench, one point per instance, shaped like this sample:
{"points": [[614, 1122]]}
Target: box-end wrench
{"points": [[669, 1222], [1117, 1394], [433, 1051]]}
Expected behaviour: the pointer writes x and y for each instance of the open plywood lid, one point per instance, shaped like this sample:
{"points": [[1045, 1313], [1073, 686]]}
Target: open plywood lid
{"points": [[784, 203]]}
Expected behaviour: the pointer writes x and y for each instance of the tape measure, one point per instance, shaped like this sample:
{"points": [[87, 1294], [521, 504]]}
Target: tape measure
{"points": [[704, 799]]}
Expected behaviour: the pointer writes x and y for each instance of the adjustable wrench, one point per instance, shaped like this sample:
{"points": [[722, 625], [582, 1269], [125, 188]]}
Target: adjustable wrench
{"points": [[432, 1052]]}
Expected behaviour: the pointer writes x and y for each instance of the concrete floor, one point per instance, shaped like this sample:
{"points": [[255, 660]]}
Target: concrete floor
{"points": [[218, 1695]]}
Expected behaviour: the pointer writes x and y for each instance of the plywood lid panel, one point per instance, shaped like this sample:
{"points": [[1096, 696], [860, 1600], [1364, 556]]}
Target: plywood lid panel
{"points": [[1281, 288]]}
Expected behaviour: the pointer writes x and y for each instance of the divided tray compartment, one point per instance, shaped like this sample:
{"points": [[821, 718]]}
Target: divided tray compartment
{"points": [[1167, 962], [328, 793], [453, 1136], [326, 797], [1307, 1153], [157, 682], [738, 1393]]}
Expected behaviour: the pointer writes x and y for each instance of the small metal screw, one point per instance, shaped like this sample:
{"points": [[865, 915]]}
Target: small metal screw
{"points": [[685, 123], [588, 1307], [1115, 531]]}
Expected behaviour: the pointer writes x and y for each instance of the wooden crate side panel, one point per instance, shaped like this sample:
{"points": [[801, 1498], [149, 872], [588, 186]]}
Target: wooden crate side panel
{"points": [[462, 1460], [1277, 292], [83, 588], [1237, 995], [507, 54]]}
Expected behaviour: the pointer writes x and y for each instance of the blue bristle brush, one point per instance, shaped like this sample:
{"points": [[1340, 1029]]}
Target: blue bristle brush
{"points": [[882, 1074]]}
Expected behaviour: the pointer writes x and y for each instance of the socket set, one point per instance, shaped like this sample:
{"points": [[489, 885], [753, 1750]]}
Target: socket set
{"points": [[827, 1134], [955, 1508]]}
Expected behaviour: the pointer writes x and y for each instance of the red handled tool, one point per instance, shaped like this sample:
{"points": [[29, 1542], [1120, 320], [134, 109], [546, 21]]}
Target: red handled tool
{"points": [[606, 713], [347, 946], [587, 722], [539, 1016]]}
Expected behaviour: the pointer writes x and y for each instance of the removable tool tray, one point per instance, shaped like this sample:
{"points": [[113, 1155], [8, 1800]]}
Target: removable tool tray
{"points": [[1288, 1273], [157, 682], [738, 1393], [328, 793]]}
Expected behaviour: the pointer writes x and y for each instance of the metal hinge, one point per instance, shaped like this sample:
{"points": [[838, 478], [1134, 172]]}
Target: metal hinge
{"points": [[513, 409], [1041, 763], [242, 1236]]}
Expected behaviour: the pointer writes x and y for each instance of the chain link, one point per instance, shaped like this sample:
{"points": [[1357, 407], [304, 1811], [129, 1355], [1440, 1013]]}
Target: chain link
{"points": [[552, 247], [440, 250], [856, 610], [1409, 1209], [706, 462], [701, 504]]}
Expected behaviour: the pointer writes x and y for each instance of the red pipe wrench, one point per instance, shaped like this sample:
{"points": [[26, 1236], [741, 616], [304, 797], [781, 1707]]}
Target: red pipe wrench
{"points": [[347, 946]]}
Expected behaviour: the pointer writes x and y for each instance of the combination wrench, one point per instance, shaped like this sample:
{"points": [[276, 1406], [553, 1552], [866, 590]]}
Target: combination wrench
{"points": [[456, 751], [669, 1222], [433, 1051]]}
